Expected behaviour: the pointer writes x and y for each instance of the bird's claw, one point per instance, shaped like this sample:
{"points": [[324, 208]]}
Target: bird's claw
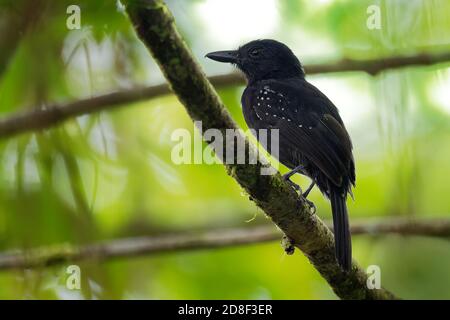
{"points": [[297, 188], [311, 205]]}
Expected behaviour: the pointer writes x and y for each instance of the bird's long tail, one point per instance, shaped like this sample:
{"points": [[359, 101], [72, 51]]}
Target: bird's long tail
{"points": [[343, 242]]}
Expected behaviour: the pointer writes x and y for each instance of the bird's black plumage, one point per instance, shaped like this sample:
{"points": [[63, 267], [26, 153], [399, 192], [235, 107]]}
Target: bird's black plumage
{"points": [[312, 137]]}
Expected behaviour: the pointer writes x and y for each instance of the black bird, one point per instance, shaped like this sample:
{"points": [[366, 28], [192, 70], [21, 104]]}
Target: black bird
{"points": [[313, 140]]}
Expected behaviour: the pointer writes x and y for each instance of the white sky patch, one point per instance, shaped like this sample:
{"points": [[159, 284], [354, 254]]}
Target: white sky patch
{"points": [[439, 90], [325, 2], [354, 103], [308, 46], [233, 22]]}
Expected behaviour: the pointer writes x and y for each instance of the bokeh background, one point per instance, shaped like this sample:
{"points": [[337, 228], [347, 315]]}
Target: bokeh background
{"points": [[109, 175]]}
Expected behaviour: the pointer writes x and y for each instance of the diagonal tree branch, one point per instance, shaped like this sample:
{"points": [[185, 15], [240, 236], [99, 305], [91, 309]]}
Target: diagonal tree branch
{"points": [[155, 26], [185, 241], [39, 118]]}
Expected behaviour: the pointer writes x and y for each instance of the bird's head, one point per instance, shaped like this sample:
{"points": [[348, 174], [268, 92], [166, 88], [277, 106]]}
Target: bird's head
{"points": [[262, 59]]}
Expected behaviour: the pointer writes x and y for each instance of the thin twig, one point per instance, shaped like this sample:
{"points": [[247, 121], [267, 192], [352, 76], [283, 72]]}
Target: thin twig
{"points": [[53, 114], [188, 241]]}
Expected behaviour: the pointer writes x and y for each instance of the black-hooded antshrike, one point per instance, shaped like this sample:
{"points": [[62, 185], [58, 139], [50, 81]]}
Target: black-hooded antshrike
{"points": [[313, 140]]}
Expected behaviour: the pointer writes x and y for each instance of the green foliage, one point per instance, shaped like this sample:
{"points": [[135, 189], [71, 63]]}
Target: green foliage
{"points": [[110, 175]]}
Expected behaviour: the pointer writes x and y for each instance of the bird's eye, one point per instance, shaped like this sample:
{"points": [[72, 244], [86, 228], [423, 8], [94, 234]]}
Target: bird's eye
{"points": [[255, 52]]}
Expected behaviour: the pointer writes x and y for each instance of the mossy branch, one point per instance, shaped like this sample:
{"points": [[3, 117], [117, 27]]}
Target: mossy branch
{"points": [[155, 26]]}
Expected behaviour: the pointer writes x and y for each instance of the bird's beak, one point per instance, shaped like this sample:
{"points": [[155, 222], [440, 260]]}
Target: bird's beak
{"points": [[224, 56]]}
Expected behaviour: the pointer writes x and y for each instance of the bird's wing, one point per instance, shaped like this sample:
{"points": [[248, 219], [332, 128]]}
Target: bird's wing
{"points": [[306, 123]]}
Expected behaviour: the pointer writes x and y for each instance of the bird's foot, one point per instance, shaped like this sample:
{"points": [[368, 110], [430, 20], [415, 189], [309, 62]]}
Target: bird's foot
{"points": [[295, 186], [288, 245], [310, 204], [302, 195]]}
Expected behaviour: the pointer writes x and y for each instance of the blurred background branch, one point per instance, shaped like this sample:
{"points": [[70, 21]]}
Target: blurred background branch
{"points": [[187, 241], [53, 114]]}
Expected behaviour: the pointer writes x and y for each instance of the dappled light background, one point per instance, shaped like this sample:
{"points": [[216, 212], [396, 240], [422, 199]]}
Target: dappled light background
{"points": [[110, 175]]}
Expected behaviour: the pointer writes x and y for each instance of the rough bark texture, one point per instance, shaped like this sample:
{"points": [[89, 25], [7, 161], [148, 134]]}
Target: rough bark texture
{"points": [[155, 26]]}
